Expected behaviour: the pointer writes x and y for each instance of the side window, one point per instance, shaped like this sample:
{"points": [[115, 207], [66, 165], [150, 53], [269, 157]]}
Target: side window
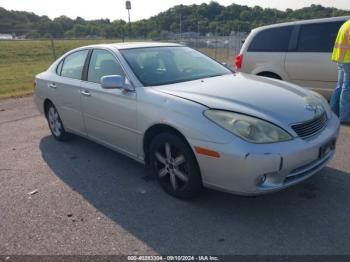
{"points": [[73, 64], [103, 63], [318, 38], [59, 67], [271, 40]]}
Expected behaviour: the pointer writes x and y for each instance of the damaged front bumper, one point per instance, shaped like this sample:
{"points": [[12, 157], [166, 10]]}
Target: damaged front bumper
{"points": [[251, 169]]}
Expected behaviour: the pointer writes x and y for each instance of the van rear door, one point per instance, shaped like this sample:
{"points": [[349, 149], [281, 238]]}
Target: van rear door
{"points": [[308, 63]]}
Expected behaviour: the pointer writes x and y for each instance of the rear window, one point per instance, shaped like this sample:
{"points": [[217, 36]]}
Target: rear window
{"points": [[318, 38], [271, 40]]}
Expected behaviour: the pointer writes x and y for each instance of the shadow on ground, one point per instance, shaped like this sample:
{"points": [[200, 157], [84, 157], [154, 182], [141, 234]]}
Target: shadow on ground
{"points": [[310, 218]]}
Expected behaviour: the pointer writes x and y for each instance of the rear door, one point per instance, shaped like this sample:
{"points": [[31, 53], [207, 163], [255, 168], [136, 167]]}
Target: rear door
{"points": [[67, 90], [309, 62]]}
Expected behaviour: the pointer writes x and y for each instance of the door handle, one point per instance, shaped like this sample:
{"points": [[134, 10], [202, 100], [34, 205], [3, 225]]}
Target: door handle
{"points": [[85, 93], [52, 85]]}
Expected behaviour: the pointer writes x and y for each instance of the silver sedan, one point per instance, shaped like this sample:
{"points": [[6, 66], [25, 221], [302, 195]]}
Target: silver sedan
{"points": [[190, 119]]}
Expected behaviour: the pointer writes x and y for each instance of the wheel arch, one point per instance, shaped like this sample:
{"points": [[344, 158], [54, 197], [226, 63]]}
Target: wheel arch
{"points": [[275, 69], [46, 103], [155, 130], [269, 74]]}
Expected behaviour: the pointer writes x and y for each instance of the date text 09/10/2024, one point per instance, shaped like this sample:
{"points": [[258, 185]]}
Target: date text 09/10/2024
{"points": [[173, 258]]}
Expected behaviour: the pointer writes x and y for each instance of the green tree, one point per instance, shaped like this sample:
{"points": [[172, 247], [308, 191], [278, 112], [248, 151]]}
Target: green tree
{"points": [[211, 17], [81, 30]]}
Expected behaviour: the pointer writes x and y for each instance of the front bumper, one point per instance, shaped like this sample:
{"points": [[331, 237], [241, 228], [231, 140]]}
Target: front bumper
{"points": [[251, 169]]}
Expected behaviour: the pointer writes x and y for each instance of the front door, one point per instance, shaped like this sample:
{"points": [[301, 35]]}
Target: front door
{"points": [[109, 114]]}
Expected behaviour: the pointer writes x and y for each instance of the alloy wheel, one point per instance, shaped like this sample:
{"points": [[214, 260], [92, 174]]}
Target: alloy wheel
{"points": [[54, 122], [171, 166]]}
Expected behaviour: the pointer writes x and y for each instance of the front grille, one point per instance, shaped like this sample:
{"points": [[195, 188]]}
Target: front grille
{"points": [[311, 127]]}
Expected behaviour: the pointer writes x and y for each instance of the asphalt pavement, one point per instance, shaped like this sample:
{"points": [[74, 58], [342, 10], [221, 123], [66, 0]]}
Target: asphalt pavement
{"points": [[78, 197]]}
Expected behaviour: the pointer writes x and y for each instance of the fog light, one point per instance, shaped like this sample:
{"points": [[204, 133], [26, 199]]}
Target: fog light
{"points": [[261, 179]]}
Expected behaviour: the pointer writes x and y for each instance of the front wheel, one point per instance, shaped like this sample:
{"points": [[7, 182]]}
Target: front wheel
{"points": [[175, 166], [55, 123]]}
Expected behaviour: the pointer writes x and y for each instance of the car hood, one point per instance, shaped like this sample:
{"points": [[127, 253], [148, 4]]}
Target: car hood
{"points": [[273, 100]]}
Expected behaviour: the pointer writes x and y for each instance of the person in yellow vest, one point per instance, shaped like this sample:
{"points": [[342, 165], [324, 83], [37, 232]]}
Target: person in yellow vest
{"points": [[340, 101]]}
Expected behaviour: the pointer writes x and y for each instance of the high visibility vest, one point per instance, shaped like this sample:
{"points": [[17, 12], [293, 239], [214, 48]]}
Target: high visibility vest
{"points": [[341, 51]]}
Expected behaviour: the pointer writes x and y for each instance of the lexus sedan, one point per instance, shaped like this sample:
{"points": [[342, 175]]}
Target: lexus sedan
{"points": [[191, 120]]}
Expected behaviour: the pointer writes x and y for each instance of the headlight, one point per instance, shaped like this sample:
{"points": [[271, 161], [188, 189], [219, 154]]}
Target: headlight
{"points": [[249, 128], [324, 104]]}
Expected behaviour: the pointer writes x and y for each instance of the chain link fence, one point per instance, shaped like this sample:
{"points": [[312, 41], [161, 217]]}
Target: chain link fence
{"points": [[221, 48], [22, 59], [218, 47]]}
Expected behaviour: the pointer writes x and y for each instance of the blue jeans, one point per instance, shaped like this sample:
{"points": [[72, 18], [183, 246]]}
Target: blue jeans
{"points": [[340, 100]]}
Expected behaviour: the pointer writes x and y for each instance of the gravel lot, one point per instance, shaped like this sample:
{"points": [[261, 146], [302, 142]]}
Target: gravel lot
{"points": [[91, 200]]}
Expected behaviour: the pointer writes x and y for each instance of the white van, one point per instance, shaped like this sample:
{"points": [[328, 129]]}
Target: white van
{"points": [[298, 52]]}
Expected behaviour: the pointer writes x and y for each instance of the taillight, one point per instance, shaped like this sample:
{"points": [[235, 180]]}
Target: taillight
{"points": [[239, 61]]}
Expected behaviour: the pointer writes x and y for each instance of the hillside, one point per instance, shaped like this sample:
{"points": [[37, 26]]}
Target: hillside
{"points": [[202, 18]]}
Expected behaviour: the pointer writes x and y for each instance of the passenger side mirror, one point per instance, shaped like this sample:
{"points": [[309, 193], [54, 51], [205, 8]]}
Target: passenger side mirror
{"points": [[112, 81], [116, 81]]}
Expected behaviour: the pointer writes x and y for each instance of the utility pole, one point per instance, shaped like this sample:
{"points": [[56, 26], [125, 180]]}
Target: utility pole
{"points": [[180, 26], [128, 7], [198, 34], [53, 48]]}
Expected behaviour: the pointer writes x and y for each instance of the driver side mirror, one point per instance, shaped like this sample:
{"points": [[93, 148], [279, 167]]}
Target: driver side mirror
{"points": [[115, 81]]}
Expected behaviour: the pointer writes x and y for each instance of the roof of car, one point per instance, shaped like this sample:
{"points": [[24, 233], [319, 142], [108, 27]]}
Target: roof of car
{"points": [[310, 21], [129, 45]]}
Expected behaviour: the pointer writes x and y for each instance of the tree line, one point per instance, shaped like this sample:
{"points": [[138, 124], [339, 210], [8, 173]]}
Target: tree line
{"points": [[202, 19]]}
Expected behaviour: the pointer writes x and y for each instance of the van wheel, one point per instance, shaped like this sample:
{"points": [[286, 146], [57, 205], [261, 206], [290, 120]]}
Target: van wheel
{"points": [[55, 123], [270, 75], [175, 166]]}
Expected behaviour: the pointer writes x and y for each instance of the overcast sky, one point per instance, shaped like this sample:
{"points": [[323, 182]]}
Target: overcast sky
{"points": [[115, 9]]}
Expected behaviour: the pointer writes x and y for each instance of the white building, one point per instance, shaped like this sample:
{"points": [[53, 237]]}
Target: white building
{"points": [[6, 37]]}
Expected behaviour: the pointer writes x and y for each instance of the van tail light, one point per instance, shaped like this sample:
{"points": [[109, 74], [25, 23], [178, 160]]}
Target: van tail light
{"points": [[239, 61]]}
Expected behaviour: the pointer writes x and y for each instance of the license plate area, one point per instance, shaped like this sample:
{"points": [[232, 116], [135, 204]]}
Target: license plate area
{"points": [[326, 148]]}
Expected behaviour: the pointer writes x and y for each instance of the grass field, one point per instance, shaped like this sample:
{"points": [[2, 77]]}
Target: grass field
{"points": [[20, 61]]}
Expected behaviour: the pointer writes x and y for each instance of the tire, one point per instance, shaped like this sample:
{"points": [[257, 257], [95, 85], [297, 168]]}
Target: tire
{"points": [[55, 124], [174, 165]]}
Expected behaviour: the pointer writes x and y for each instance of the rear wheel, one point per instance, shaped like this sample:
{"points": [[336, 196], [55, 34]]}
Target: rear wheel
{"points": [[55, 123], [175, 166]]}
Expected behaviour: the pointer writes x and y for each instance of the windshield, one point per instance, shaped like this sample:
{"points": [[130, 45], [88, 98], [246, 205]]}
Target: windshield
{"points": [[168, 65]]}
